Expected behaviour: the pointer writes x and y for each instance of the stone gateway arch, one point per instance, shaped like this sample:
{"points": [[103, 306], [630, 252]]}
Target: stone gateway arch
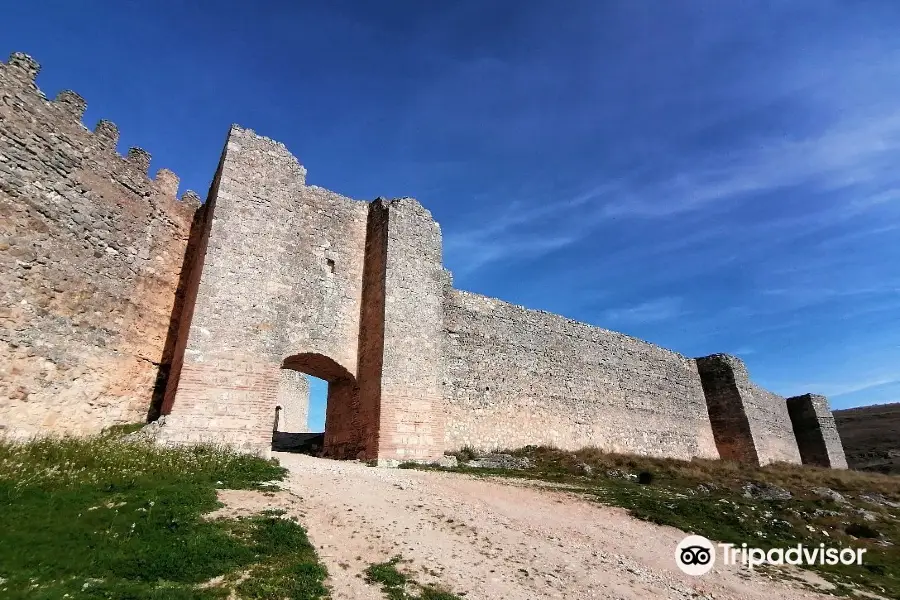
{"points": [[126, 301]]}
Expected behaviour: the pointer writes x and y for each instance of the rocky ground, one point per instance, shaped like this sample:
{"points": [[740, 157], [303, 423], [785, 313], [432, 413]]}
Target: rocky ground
{"points": [[485, 539]]}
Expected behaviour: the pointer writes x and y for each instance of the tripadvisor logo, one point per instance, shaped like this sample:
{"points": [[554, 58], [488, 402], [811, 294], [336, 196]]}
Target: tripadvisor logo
{"points": [[696, 555]]}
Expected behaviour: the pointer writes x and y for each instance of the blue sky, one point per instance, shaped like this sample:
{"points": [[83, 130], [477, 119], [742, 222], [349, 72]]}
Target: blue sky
{"points": [[709, 176]]}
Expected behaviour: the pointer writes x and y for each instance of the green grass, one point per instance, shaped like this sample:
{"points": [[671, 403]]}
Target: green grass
{"points": [[722, 512], [397, 585], [122, 430], [102, 518]]}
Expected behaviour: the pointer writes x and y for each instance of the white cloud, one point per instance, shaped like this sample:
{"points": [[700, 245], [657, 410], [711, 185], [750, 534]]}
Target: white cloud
{"points": [[846, 143], [835, 390], [853, 155], [478, 250], [661, 309]]}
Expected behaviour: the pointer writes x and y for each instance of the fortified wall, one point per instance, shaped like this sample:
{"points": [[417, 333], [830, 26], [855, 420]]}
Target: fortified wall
{"points": [[126, 303], [91, 260], [517, 377]]}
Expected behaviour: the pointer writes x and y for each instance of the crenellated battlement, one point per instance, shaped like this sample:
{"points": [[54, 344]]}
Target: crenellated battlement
{"points": [[71, 103], [96, 250], [191, 198], [140, 158], [166, 181], [107, 133], [20, 93], [23, 69]]}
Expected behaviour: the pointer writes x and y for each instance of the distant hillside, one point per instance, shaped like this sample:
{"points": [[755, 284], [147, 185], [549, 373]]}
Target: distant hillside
{"points": [[871, 437]]}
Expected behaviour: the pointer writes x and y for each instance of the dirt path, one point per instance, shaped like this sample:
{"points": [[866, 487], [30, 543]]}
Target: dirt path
{"points": [[494, 540]]}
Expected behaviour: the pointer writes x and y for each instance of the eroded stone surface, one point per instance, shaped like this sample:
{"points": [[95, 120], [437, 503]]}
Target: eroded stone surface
{"points": [[91, 254], [519, 377]]}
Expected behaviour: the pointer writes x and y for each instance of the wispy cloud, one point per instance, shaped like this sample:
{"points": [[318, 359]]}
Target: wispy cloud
{"points": [[838, 389], [850, 156], [478, 249], [799, 296], [661, 309], [502, 236], [862, 234]]}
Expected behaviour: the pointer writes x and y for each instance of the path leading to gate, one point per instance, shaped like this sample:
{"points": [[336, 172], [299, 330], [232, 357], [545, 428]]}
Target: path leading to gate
{"points": [[494, 540]]}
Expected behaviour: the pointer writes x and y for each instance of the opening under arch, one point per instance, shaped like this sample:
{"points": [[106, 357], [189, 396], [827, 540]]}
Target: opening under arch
{"points": [[341, 437]]}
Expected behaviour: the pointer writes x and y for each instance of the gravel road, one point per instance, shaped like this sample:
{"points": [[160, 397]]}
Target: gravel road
{"points": [[488, 539]]}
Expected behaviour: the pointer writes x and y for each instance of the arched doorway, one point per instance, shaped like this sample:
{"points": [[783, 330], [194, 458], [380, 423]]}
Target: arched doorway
{"points": [[342, 433]]}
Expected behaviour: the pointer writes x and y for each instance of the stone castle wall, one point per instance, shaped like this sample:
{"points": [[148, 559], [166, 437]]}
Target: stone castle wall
{"points": [[283, 278], [128, 302], [91, 257], [519, 377]]}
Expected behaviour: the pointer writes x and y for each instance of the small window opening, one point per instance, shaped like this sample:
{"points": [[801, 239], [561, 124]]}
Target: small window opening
{"points": [[330, 264]]}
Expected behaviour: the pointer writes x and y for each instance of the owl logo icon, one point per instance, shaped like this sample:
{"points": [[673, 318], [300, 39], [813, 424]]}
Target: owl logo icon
{"points": [[695, 555]]}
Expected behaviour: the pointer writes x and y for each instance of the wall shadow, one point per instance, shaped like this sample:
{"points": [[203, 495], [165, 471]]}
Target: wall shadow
{"points": [[178, 316], [298, 443]]}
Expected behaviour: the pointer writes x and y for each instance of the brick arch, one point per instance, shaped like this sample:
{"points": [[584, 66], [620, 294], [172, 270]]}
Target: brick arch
{"points": [[318, 365], [342, 419]]}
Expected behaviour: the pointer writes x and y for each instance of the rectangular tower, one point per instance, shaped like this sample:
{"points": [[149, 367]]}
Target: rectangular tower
{"points": [[280, 275]]}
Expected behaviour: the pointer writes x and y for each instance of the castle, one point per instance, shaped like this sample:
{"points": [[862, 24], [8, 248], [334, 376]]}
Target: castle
{"points": [[122, 302]]}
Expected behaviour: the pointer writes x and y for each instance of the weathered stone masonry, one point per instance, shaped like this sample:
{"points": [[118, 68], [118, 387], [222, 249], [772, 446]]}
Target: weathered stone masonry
{"points": [[519, 377], [91, 254], [126, 302]]}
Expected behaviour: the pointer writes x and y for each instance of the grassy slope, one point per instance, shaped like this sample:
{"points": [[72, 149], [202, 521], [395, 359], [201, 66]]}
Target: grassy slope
{"points": [[707, 497], [100, 518], [871, 437]]}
